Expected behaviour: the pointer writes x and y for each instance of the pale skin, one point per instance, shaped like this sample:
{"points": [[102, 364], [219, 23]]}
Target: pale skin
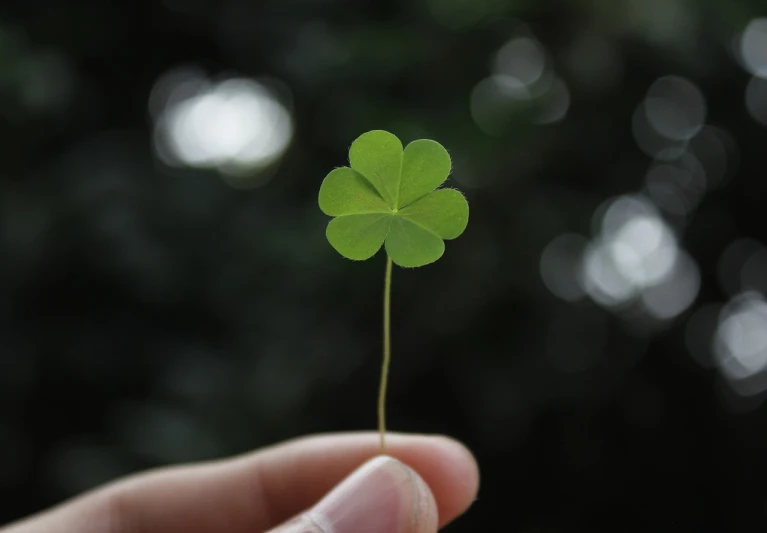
{"points": [[336, 483]]}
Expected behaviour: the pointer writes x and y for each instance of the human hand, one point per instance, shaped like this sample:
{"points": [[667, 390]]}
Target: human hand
{"points": [[311, 483]]}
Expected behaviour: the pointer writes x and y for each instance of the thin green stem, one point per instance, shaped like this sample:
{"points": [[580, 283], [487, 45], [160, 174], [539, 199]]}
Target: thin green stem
{"points": [[386, 355]]}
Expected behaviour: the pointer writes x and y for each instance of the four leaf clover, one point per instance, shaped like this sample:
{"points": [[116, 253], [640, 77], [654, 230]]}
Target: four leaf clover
{"points": [[388, 196]]}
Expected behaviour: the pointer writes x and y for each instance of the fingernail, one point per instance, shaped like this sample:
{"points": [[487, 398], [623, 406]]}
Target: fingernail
{"points": [[382, 496]]}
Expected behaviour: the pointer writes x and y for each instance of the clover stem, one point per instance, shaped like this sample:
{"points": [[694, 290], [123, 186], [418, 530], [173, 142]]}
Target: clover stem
{"points": [[386, 355]]}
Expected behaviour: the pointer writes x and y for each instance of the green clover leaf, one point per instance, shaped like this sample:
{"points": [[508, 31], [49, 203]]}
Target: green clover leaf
{"points": [[388, 196]]}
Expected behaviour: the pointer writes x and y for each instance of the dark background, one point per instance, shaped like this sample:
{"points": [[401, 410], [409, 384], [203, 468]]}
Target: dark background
{"points": [[166, 297]]}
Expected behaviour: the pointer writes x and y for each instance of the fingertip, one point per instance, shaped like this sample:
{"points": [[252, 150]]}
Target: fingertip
{"points": [[426, 510], [461, 470], [464, 458], [448, 467], [384, 495]]}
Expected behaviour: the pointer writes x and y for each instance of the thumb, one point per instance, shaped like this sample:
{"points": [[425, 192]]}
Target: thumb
{"points": [[382, 496]]}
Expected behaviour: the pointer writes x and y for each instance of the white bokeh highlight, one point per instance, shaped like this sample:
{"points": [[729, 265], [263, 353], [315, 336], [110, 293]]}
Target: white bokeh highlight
{"points": [[650, 141], [236, 126], [675, 108], [521, 58], [560, 266], [740, 341], [676, 293], [634, 260], [753, 47], [522, 85]]}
